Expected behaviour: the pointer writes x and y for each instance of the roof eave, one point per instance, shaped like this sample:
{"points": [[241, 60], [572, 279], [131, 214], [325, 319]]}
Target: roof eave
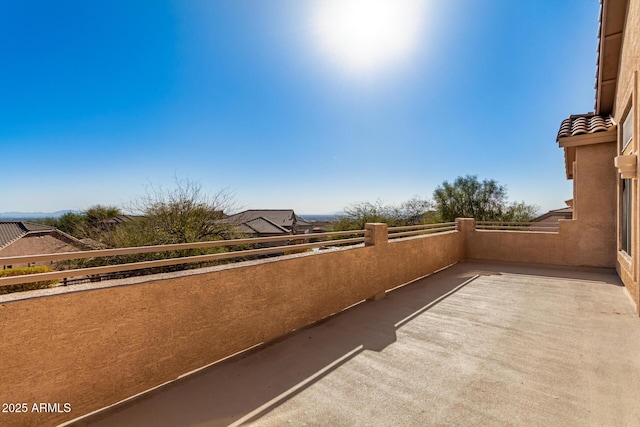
{"points": [[612, 17], [588, 138]]}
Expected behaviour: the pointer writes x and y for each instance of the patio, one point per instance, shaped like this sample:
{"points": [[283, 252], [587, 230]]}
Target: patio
{"points": [[475, 344]]}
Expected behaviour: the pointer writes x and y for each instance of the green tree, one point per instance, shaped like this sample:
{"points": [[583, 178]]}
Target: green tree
{"points": [[414, 211], [90, 223], [520, 212], [467, 197], [96, 217], [70, 223], [184, 214], [355, 216]]}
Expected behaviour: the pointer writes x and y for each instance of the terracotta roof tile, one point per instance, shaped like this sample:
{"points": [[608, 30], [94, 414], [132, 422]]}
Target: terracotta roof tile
{"points": [[581, 124]]}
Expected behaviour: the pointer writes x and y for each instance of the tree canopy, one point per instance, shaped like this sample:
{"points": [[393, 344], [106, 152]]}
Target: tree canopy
{"points": [[486, 200], [90, 223], [465, 197], [182, 214], [412, 212]]}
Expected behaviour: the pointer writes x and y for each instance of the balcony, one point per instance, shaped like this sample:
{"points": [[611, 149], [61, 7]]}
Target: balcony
{"points": [[450, 335], [477, 343]]}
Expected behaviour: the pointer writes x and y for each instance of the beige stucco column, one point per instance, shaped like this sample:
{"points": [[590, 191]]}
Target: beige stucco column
{"points": [[376, 234], [466, 226]]}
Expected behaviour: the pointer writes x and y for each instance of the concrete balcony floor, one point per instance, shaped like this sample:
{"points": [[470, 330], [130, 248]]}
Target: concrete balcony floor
{"points": [[475, 344]]}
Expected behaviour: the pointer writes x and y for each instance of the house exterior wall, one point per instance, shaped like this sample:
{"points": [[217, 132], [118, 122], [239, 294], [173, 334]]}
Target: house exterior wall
{"points": [[589, 240], [626, 95], [34, 244], [118, 341], [595, 181]]}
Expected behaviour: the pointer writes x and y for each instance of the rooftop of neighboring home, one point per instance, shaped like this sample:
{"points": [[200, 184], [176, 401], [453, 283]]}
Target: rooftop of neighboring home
{"points": [[261, 225], [281, 217], [555, 214], [285, 218], [11, 231], [120, 219]]}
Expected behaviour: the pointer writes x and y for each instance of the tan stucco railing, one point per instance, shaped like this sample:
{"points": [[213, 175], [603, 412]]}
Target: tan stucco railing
{"points": [[549, 227], [14, 280], [326, 239], [164, 326], [412, 230]]}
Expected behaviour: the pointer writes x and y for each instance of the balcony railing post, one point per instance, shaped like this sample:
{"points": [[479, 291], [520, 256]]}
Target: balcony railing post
{"points": [[465, 225], [375, 234]]}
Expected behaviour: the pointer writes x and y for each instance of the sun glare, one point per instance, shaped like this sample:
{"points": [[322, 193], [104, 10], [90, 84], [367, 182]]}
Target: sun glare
{"points": [[364, 36]]}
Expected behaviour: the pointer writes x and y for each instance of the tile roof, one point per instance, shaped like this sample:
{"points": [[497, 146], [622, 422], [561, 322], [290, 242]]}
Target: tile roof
{"points": [[562, 213], [120, 219], [581, 124], [302, 222], [279, 217], [567, 209], [32, 226], [10, 231], [262, 226]]}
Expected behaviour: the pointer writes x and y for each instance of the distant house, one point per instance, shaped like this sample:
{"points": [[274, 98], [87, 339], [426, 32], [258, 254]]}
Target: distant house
{"points": [[19, 238], [322, 226], [111, 223], [269, 222], [555, 215]]}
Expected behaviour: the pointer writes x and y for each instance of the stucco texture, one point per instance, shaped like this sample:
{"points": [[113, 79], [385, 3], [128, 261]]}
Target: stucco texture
{"points": [[94, 348], [626, 95], [589, 240]]}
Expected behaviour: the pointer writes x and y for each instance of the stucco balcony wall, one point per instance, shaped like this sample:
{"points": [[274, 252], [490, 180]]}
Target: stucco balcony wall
{"points": [[575, 244], [94, 348]]}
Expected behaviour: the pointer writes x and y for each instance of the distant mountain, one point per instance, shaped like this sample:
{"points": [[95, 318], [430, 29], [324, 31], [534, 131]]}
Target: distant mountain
{"points": [[5, 216]]}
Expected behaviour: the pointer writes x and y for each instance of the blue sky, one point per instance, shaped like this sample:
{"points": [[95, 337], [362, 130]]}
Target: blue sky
{"points": [[100, 99]]}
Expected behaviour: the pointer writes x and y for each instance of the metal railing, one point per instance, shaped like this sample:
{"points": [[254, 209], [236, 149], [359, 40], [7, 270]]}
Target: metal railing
{"points": [[545, 227], [325, 240], [414, 230]]}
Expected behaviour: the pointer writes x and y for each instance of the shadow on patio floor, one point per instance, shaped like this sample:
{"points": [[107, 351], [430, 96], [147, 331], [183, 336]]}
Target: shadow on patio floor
{"points": [[243, 389]]}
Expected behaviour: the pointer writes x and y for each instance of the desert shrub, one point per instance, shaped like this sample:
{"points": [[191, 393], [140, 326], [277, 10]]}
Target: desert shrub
{"points": [[26, 286]]}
